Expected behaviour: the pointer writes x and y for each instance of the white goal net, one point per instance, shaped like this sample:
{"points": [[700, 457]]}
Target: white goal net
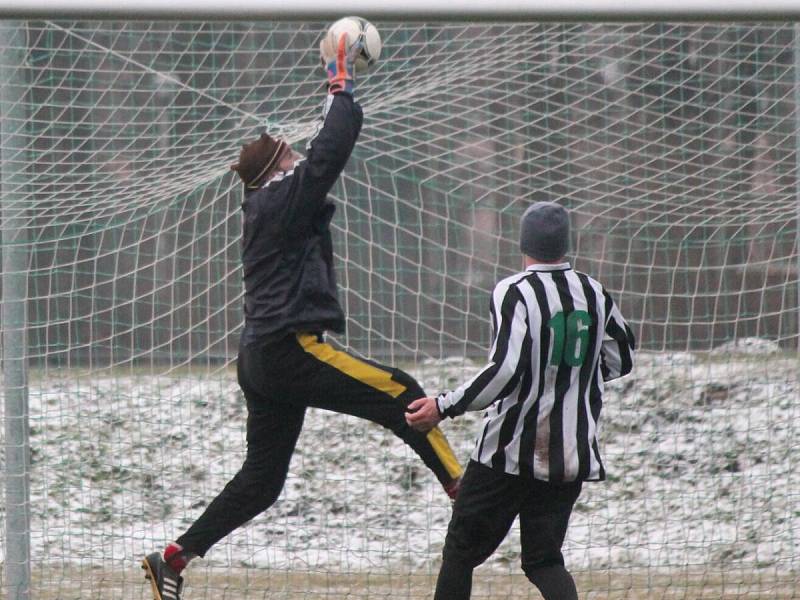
{"points": [[674, 146]]}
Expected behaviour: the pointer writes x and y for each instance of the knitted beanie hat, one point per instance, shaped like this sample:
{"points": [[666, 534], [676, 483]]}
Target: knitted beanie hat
{"points": [[544, 231], [258, 159]]}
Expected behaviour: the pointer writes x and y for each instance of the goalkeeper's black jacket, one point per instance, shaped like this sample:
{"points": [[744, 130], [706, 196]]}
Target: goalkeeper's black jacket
{"points": [[287, 252]]}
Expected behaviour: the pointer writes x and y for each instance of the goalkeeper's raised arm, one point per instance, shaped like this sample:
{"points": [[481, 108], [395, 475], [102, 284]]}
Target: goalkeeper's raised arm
{"points": [[328, 151]]}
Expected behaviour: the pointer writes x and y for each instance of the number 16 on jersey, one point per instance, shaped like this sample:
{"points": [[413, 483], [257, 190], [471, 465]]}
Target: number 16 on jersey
{"points": [[570, 337]]}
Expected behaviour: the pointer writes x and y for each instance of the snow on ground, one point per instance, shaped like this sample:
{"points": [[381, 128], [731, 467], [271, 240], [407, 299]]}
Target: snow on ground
{"points": [[702, 456]]}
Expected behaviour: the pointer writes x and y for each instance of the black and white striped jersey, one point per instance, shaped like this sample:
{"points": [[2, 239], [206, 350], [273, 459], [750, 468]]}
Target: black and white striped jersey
{"points": [[557, 337]]}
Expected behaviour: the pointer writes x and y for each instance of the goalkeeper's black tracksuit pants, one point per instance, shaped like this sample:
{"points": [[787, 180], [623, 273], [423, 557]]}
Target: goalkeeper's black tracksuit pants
{"points": [[280, 380]]}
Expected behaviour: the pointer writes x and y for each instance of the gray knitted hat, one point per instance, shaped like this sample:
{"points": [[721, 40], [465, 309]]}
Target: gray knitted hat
{"points": [[544, 231]]}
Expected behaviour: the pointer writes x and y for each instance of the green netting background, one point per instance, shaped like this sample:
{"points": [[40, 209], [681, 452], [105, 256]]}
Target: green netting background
{"points": [[674, 147]]}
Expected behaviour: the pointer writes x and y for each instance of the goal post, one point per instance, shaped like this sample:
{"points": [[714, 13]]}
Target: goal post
{"points": [[13, 237], [673, 144]]}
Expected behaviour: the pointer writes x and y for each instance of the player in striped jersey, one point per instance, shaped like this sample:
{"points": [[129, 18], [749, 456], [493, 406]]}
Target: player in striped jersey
{"points": [[557, 337]]}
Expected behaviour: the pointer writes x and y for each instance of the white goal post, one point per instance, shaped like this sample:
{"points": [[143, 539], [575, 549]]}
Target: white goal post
{"points": [[670, 131], [407, 10]]}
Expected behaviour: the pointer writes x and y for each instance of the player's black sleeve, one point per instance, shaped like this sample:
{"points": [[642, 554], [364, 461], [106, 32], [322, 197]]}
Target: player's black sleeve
{"points": [[326, 157], [329, 150]]}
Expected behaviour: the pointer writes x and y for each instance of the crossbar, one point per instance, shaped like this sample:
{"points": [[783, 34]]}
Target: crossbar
{"points": [[407, 10]]}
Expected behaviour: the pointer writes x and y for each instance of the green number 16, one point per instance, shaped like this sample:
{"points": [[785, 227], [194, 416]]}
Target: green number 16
{"points": [[570, 337]]}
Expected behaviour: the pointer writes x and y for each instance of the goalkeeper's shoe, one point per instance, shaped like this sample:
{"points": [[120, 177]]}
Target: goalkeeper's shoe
{"points": [[166, 583]]}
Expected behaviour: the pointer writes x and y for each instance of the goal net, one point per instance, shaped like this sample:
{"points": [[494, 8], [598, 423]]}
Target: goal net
{"points": [[673, 145]]}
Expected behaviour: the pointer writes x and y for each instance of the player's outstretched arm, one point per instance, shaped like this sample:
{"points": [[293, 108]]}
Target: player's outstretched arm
{"points": [[328, 151], [503, 372], [330, 148]]}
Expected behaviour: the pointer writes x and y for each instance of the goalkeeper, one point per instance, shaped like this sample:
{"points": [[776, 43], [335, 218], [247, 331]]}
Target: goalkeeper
{"points": [[284, 363]]}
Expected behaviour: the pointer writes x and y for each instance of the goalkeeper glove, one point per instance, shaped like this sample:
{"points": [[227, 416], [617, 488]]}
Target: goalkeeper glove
{"points": [[341, 70]]}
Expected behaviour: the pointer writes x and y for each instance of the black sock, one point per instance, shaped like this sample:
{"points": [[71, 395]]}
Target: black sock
{"points": [[454, 582], [554, 582]]}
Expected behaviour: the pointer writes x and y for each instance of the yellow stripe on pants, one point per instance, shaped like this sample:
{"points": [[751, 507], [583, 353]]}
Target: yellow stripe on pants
{"points": [[380, 380], [445, 453], [349, 365]]}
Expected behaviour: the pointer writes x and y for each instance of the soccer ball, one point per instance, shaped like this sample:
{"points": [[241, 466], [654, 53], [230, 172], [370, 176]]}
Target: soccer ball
{"points": [[355, 28]]}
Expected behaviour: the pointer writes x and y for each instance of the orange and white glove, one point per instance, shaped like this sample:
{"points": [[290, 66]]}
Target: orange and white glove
{"points": [[341, 71]]}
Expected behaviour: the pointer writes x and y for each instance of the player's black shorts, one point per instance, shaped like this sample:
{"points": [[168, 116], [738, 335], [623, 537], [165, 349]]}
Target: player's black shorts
{"points": [[487, 505]]}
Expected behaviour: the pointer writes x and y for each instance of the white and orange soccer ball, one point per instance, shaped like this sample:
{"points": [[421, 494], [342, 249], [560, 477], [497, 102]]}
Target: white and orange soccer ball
{"points": [[356, 29]]}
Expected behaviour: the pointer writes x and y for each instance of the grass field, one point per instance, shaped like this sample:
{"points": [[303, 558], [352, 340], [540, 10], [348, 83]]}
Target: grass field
{"points": [[79, 583]]}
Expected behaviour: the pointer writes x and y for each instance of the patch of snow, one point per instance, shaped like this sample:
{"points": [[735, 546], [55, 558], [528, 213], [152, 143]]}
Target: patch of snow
{"points": [[702, 460], [750, 345]]}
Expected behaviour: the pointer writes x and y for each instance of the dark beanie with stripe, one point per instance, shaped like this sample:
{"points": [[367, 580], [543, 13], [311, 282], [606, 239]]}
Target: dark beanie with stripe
{"points": [[259, 159], [544, 232]]}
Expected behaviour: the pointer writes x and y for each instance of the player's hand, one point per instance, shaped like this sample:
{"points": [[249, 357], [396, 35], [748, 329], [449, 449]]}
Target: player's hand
{"points": [[423, 414], [341, 70]]}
